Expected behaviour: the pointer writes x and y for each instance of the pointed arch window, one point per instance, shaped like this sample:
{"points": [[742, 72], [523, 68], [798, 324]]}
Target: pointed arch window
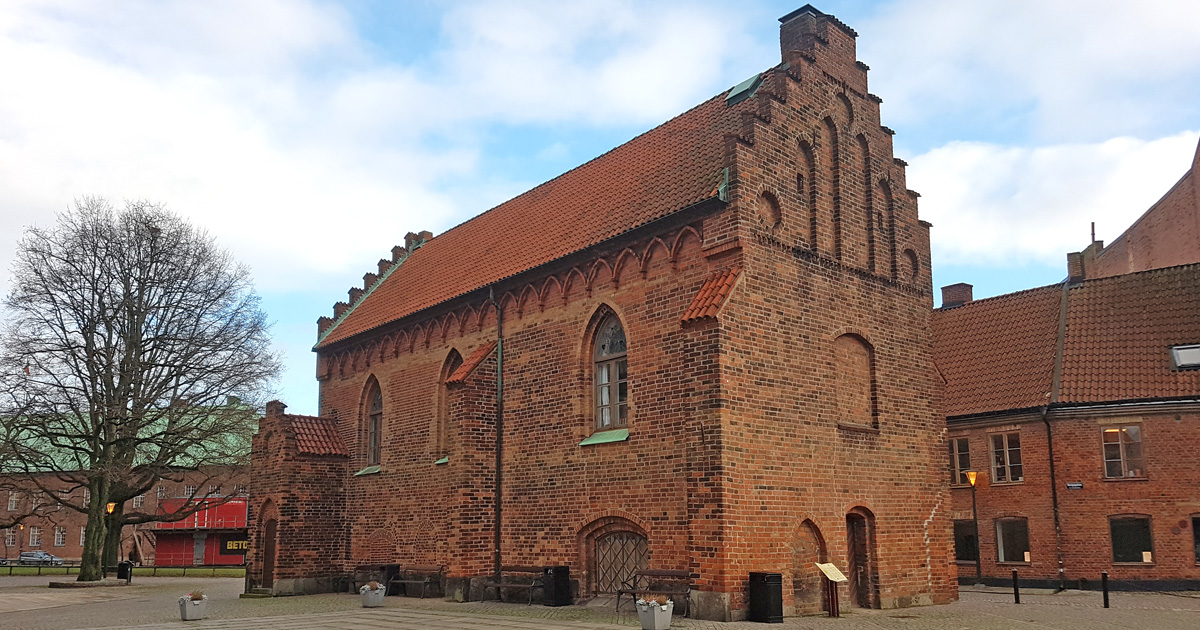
{"points": [[611, 376], [374, 428], [453, 361]]}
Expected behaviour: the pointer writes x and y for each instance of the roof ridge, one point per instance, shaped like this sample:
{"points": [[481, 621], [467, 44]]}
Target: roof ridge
{"points": [[1002, 296], [1159, 270]]}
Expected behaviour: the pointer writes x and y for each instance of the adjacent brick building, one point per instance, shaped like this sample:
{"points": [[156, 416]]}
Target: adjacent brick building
{"points": [[707, 349], [1078, 405]]}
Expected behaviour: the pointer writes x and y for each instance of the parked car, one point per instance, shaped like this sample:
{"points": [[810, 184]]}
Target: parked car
{"points": [[38, 557]]}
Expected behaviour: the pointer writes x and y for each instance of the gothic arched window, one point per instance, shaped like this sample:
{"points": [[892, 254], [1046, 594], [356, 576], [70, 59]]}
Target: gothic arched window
{"points": [[374, 424], [611, 375]]}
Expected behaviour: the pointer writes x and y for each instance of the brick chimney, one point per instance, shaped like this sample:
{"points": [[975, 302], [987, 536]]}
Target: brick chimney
{"points": [[957, 294], [398, 252], [806, 32], [275, 409], [415, 240], [1076, 269]]}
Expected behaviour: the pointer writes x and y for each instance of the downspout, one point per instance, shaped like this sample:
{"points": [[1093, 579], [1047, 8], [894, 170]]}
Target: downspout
{"points": [[1055, 386], [499, 430]]}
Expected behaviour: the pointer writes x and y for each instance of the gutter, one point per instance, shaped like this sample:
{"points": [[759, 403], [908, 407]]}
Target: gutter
{"points": [[1055, 387], [499, 431]]}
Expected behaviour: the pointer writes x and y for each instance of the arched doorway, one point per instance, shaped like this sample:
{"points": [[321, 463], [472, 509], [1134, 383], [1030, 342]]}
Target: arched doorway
{"points": [[808, 587], [617, 556], [270, 532], [860, 533]]}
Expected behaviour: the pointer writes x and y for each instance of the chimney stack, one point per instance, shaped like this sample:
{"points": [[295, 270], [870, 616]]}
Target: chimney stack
{"points": [[369, 279], [355, 293], [398, 252], [1076, 270], [275, 409], [384, 265], [957, 294], [323, 324]]}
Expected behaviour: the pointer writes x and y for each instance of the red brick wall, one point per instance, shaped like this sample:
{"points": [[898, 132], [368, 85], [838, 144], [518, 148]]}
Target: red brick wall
{"points": [[1170, 442]]}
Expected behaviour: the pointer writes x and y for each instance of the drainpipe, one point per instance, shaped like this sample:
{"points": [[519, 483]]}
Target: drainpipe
{"points": [[499, 429], [1056, 384]]}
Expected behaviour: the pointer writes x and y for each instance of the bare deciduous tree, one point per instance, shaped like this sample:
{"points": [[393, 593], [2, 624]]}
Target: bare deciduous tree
{"points": [[135, 350]]}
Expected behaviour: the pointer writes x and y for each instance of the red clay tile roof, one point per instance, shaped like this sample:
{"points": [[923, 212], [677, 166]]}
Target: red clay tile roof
{"points": [[712, 295], [998, 354], [1119, 334], [662, 171], [316, 436], [460, 375]]}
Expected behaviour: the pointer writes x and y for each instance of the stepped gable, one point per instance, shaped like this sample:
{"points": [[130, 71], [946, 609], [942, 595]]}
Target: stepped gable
{"points": [[998, 353], [1119, 334], [658, 173]]}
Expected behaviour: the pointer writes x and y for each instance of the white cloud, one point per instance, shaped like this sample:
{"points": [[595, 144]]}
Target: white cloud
{"points": [[1078, 71], [1006, 206]]}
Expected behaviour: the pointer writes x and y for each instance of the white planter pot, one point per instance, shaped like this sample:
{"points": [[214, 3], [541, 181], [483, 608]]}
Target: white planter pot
{"points": [[655, 617], [192, 609], [372, 598]]}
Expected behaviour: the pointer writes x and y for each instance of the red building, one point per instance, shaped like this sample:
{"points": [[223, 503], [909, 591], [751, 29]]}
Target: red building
{"points": [[1078, 405], [705, 350], [214, 535]]}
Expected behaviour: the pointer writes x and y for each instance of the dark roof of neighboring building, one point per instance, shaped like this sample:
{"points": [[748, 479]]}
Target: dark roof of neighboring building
{"points": [[316, 435], [671, 167], [998, 354]]}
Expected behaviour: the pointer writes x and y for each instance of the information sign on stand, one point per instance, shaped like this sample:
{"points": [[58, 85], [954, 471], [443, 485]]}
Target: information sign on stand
{"points": [[833, 576]]}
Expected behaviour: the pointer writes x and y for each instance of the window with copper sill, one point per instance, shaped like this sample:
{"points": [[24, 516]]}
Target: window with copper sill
{"points": [[611, 373]]}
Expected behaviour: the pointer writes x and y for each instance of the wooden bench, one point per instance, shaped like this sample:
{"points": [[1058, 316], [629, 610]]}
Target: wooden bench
{"points": [[658, 582], [425, 576], [365, 573], [517, 579]]}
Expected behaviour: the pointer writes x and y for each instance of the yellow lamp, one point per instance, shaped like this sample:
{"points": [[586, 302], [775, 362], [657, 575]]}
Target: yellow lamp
{"points": [[113, 506], [971, 476]]}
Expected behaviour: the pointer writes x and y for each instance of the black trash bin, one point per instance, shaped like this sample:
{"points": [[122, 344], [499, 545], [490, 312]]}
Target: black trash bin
{"points": [[766, 598], [125, 571], [557, 590]]}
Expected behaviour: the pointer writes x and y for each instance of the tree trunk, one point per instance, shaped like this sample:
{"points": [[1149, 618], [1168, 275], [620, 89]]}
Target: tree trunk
{"points": [[112, 538], [94, 535]]}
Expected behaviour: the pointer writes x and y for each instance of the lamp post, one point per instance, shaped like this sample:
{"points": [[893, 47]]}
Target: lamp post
{"points": [[972, 476]]}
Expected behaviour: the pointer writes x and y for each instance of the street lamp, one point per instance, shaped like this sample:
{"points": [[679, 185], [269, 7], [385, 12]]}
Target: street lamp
{"points": [[110, 507], [972, 476]]}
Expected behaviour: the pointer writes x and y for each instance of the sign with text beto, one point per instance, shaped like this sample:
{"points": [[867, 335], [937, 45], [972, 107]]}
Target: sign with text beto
{"points": [[234, 545]]}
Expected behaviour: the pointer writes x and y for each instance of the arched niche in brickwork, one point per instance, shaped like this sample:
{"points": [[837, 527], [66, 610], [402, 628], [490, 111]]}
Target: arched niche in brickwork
{"points": [[610, 548], [600, 276], [808, 547], [830, 212], [887, 224], [441, 430], [911, 269], [605, 365], [574, 285], [657, 257], [529, 301], [854, 380], [379, 547], [846, 109], [767, 210], [685, 250], [806, 190], [627, 268], [552, 292], [863, 218]]}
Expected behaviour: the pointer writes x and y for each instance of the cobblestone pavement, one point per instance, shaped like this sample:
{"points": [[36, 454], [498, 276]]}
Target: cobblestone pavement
{"points": [[152, 603]]}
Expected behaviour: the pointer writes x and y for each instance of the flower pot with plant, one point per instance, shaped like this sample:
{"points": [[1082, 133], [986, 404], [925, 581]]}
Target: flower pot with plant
{"points": [[192, 606], [372, 594], [654, 611]]}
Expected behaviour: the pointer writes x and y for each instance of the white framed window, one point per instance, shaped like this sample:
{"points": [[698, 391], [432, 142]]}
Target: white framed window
{"points": [[1006, 458], [1123, 452], [60, 536], [189, 491], [139, 500], [1186, 357], [162, 492], [35, 501], [82, 535], [10, 538], [35, 536], [13, 499], [214, 490], [241, 490], [87, 497], [960, 461]]}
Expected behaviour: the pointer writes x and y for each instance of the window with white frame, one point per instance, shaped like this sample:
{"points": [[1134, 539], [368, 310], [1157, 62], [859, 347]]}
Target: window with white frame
{"points": [[214, 490], [87, 497], [1186, 357], [1123, 452], [13, 499], [960, 461], [1006, 458], [139, 500], [82, 535], [10, 538], [35, 501], [60, 536], [162, 492], [611, 376], [1012, 540], [241, 490], [189, 491], [35, 536]]}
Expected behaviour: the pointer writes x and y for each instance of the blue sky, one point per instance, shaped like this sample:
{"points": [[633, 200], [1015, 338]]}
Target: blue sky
{"points": [[309, 137]]}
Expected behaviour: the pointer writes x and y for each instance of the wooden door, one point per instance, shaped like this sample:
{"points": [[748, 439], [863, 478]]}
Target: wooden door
{"points": [[269, 550], [861, 587]]}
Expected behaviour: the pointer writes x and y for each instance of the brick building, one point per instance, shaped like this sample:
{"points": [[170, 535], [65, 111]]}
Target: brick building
{"points": [[1168, 234], [1078, 405], [707, 349], [51, 525]]}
